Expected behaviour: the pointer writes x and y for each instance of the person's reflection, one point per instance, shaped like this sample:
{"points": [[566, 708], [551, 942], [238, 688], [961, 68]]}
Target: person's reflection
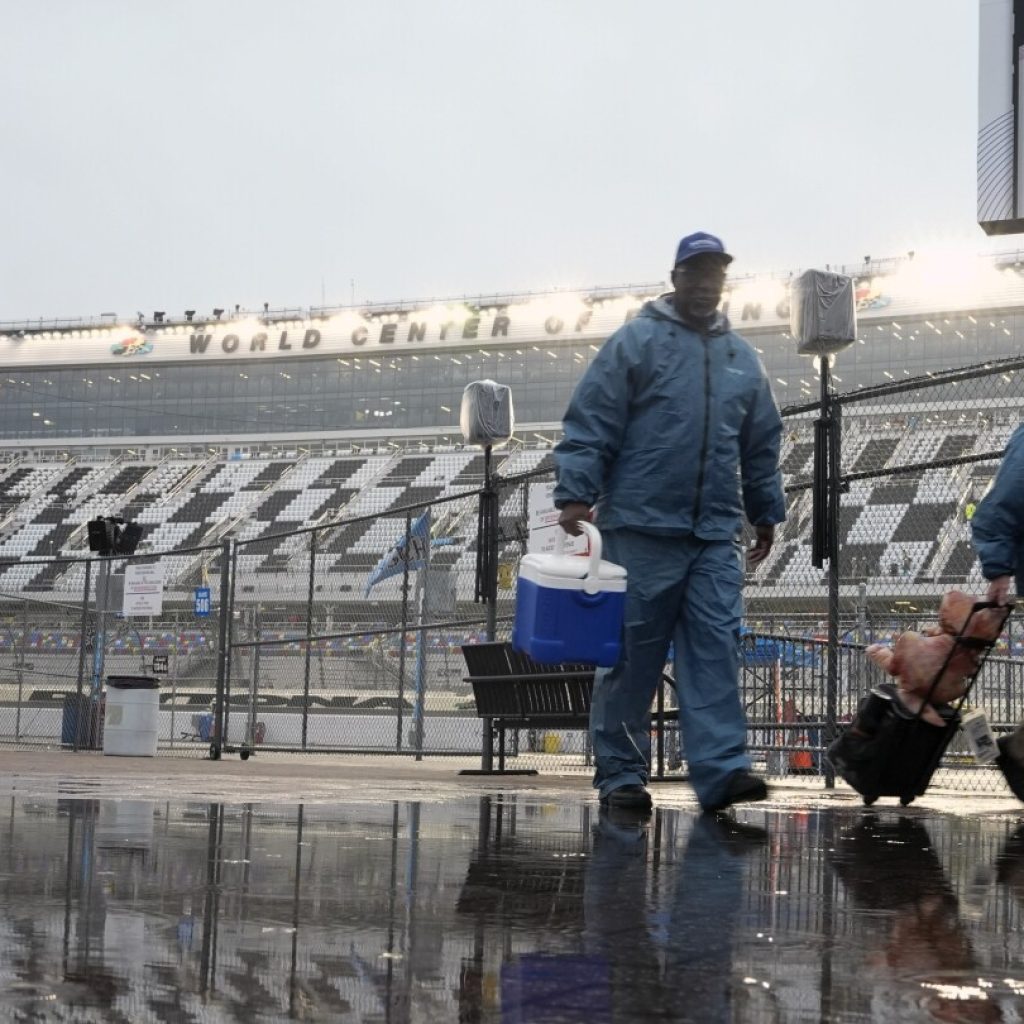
{"points": [[617, 925], [680, 970], [891, 868]]}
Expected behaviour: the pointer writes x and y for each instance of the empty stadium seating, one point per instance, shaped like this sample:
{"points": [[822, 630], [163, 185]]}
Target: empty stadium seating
{"points": [[897, 522]]}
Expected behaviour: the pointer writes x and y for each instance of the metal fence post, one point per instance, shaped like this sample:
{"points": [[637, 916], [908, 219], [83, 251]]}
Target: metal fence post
{"points": [[255, 630], [230, 637], [223, 652], [83, 631], [490, 539], [309, 634], [21, 667], [174, 686], [422, 579], [834, 414], [100, 645], [401, 635]]}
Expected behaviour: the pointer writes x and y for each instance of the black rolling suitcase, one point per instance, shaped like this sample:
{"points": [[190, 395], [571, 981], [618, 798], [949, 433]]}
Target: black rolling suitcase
{"points": [[889, 750]]}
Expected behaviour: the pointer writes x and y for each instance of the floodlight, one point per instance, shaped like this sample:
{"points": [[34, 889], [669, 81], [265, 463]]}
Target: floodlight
{"points": [[189, 313]]}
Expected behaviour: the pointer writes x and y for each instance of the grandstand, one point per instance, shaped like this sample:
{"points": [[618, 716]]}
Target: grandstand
{"points": [[186, 504], [908, 530], [260, 424], [260, 429]]}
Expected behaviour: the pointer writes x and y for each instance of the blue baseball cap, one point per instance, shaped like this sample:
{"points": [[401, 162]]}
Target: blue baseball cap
{"points": [[700, 243]]}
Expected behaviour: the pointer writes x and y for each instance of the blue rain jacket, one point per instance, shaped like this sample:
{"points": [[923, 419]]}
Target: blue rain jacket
{"points": [[998, 523], [667, 427]]}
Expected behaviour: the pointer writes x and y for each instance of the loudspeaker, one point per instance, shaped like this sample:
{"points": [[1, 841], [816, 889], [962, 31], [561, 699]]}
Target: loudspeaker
{"points": [[128, 537], [101, 536]]}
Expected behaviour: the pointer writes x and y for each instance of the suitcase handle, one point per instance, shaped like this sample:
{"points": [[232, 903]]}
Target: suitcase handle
{"points": [[592, 581]]}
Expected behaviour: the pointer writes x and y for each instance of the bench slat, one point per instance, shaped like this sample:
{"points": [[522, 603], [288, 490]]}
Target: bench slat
{"points": [[571, 677]]}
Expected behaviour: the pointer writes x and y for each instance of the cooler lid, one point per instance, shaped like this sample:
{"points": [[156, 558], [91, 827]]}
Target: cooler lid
{"points": [[132, 683], [571, 567]]}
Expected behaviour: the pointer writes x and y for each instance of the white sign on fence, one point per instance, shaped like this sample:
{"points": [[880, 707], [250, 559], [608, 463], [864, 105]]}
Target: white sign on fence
{"points": [[543, 524], [143, 589]]}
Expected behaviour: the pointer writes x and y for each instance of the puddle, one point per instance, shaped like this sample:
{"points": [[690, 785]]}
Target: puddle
{"points": [[515, 908]]}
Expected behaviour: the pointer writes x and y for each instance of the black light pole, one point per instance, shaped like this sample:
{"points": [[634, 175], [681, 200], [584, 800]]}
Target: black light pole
{"points": [[824, 322], [825, 538], [487, 547], [486, 419]]}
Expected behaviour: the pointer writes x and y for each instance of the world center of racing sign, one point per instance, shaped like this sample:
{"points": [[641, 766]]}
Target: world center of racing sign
{"points": [[543, 321]]}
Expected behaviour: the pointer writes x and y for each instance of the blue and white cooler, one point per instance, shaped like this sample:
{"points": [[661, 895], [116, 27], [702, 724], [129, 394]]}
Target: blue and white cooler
{"points": [[570, 608]]}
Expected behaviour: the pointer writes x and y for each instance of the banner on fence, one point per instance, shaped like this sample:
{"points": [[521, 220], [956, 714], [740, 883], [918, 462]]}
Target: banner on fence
{"points": [[143, 589], [401, 553]]}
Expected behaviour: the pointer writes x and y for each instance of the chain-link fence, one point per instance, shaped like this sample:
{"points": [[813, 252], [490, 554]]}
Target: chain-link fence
{"points": [[71, 629], [347, 636], [912, 459]]}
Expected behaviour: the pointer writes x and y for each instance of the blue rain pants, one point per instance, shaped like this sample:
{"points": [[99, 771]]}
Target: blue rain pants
{"points": [[685, 591]]}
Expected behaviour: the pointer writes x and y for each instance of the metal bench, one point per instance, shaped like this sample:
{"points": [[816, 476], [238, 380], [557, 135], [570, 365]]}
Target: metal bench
{"points": [[512, 692]]}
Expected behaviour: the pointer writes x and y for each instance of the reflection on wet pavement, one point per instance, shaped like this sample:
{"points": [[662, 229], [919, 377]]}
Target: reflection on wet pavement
{"points": [[514, 909]]}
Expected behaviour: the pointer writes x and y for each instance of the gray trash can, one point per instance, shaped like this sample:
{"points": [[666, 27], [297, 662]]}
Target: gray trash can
{"points": [[132, 718]]}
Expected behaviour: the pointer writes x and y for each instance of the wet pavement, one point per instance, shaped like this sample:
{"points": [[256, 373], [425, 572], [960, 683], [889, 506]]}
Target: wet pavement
{"points": [[509, 907]]}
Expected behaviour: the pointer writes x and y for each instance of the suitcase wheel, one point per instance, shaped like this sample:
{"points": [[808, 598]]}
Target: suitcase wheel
{"points": [[906, 801], [869, 800]]}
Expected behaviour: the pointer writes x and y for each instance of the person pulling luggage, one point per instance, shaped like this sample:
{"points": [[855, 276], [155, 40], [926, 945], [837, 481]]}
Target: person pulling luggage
{"points": [[997, 530]]}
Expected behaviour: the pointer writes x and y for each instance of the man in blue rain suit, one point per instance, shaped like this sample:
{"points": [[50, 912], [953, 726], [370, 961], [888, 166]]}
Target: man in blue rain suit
{"points": [[671, 422], [997, 529]]}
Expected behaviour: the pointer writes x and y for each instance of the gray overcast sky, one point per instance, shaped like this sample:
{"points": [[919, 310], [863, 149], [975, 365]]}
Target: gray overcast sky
{"points": [[205, 153]]}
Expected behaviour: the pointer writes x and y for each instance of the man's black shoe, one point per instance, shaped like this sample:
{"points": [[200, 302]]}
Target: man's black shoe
{"points": [[740, 787], [633, 797], [1012, 769]]}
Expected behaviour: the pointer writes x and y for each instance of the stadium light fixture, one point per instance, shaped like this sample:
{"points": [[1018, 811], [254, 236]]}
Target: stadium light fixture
{"points": [[189, 313], [218, 313], [158, 316], [111, 535]]}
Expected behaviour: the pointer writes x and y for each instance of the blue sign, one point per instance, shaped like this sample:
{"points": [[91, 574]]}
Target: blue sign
{"points": [[202, 605]]}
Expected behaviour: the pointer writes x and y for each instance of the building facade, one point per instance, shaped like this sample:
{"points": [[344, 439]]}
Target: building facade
{"points": [[392, 371]]}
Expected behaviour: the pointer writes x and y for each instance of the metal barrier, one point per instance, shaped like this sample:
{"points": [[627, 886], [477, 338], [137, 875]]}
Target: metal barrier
{"points": [[58, 645], [345, 636]]}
